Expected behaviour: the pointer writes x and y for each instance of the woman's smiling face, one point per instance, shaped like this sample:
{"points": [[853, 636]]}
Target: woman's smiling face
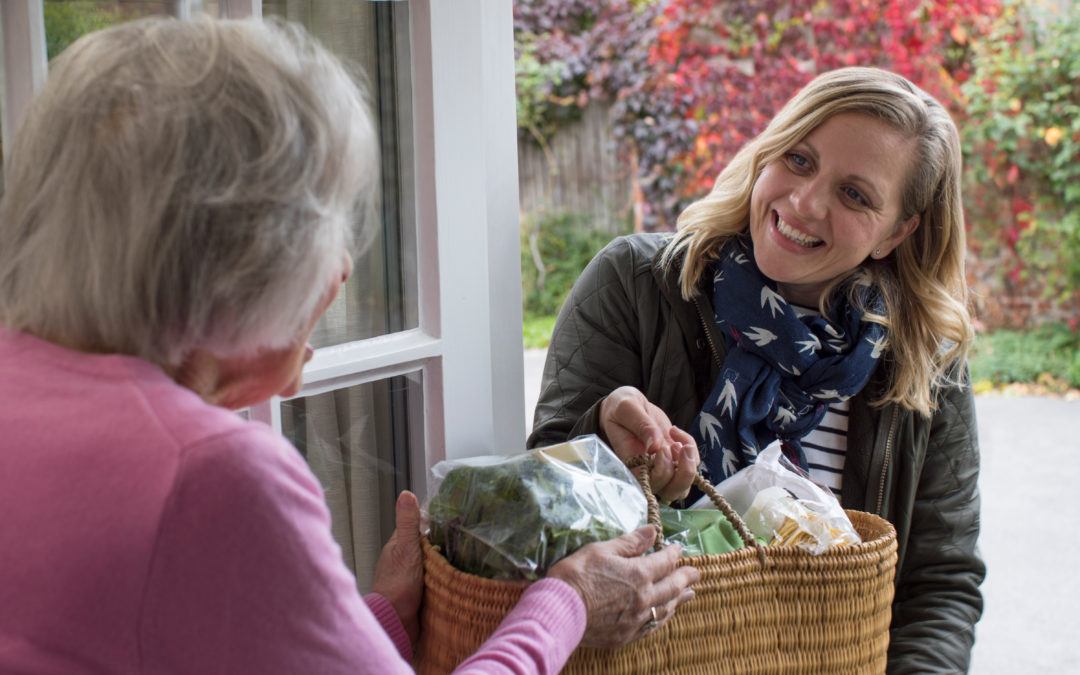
{"points": [[828, 203]]}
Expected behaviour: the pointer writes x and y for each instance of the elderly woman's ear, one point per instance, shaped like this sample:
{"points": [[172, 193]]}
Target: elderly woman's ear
{"points": [[240, 381]]}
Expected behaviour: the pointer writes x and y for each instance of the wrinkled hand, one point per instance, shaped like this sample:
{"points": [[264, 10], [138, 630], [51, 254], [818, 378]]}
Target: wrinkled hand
{"points": [[634, 426], [399, 572], [620, 587]]}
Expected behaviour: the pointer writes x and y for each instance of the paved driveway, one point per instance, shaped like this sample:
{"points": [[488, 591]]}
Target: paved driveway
{"points": [[1030, 485], [1030, 536]]}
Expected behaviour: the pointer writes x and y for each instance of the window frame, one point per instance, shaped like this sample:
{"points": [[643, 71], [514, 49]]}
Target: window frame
{"points": [[467, 346], [25, 60]]}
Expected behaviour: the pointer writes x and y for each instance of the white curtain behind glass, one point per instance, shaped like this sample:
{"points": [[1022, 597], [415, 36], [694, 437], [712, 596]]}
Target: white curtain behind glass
{"points": [[336, 431]]}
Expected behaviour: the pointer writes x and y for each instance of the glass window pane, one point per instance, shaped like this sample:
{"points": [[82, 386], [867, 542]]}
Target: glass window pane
{"points": [[372, 37], [357, 441], [211, 7], [68, 20]]}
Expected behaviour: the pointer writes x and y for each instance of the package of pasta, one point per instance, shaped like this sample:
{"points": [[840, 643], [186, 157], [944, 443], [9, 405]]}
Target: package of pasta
{"points": [[514, 517], [782, 506], [779, 518]]}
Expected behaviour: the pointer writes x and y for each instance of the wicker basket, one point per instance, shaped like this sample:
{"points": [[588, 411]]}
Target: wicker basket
{"points": [[756, 610]]}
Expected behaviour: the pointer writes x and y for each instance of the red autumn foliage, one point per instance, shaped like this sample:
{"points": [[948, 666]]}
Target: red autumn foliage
{"points": [[739, 62]]}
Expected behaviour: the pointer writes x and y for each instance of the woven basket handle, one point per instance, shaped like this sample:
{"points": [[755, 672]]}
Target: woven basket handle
{"points": [[640, 466]]}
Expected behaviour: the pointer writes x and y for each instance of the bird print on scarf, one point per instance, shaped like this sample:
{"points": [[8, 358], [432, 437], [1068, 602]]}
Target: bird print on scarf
{"points": [[781, 370]]}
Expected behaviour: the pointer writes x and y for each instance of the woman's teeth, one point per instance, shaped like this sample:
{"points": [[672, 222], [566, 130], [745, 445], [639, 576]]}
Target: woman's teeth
{"points": [[794, 235]]}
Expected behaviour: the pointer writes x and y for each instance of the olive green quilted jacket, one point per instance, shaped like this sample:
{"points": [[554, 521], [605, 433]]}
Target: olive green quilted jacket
{"points": [[625, 323]]}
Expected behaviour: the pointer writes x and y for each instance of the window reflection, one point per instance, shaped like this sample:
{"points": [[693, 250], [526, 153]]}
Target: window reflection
{"points": [[357, 441], [371, 37], [68, 20]]}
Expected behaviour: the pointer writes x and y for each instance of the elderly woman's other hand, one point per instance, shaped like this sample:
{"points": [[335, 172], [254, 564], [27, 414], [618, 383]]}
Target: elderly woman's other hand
{"points": [[399, 572], [624, 592], [634, 426]]}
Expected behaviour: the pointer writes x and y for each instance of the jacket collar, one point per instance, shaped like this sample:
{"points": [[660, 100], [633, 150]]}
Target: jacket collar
{"points": [[693, 317]]}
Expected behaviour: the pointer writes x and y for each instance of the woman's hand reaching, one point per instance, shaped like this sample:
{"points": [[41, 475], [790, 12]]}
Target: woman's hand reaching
{"points": [[399, 572], [634, 426], [623, 590]]}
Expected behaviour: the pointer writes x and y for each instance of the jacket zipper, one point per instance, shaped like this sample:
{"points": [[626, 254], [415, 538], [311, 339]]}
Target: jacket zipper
{"points": [[888, 458], [708, 336]]}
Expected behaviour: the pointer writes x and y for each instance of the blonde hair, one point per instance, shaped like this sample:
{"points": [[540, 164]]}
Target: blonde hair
{"points": [[922, 283], [181, 185]]}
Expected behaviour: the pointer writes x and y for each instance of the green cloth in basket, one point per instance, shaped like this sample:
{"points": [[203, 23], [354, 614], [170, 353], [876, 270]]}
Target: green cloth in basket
{"points": [[699, 531]]}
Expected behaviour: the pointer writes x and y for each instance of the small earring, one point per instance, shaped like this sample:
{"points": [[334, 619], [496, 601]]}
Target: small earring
{"points": [[877, 254]]}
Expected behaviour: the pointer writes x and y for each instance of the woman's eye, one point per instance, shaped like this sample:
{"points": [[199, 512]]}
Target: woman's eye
{"points": [[855, 196], [798, 161]]}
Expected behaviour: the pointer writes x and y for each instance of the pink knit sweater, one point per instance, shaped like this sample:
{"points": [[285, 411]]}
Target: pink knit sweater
{"points": [[142, 530]]}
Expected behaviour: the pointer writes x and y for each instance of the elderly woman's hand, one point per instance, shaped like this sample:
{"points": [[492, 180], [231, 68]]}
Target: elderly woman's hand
{"points": [[399, 572], [621, 588], [634, 426]]}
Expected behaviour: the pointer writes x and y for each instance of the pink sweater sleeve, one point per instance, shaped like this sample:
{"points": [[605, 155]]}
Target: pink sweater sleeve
{"points": [[537, 637], [387, 617]]}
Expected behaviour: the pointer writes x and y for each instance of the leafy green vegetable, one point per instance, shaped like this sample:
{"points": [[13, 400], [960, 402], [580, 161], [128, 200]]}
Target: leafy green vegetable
{"points": [[515, 518]]}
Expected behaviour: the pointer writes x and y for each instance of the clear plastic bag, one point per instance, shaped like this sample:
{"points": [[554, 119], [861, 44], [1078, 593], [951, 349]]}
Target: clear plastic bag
{"points": [[781, 505], [514, 517]]}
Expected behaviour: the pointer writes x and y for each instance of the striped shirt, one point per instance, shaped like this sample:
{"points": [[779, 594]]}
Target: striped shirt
{"points": [[826, 445]]}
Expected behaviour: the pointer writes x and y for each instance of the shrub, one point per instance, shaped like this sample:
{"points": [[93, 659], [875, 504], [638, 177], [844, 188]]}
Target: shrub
{"points": [[535, 84], [1023, 140], [554, 250], [1047, 354], [66, 22]]}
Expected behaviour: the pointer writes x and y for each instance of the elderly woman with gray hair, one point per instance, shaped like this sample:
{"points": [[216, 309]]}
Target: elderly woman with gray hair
{"points": [[176, 220]]}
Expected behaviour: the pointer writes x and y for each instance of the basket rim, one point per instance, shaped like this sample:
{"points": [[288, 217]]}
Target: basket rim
{"points": [[886, 539], [435, 562]]}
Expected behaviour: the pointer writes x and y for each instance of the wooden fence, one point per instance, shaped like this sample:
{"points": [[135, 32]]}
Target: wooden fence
{"points": [[580, 171]]}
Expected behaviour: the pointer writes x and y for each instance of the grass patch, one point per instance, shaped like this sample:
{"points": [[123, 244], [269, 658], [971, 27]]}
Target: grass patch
{"points": [[1048, 355], [555, 248], [537, 331]]}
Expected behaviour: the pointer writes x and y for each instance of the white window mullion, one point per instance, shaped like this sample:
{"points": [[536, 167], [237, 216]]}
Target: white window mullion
{"points": [[352, 379], [25, 60], [426, 241], [371, 354], [433, 443], [267, 412], [499, 129], [467, 187], [183, 9]]}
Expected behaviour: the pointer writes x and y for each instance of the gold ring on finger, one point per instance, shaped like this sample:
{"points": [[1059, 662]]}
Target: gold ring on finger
{"points": [[653, 623]]}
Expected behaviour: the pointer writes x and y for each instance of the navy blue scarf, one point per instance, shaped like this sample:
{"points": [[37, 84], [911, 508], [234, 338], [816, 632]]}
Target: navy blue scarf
{"points": [[781, 370]]}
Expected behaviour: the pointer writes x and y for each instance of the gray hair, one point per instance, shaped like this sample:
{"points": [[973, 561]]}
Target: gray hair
{"points": [[183, 185]]}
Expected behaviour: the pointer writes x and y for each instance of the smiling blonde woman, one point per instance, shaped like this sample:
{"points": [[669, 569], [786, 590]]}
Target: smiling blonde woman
{"points": [[817, 296]]}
